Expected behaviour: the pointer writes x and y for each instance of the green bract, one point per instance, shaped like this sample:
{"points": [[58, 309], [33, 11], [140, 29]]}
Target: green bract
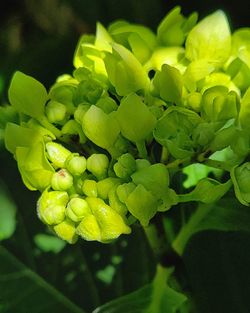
{"points": [[210, 39], [142, 117]]}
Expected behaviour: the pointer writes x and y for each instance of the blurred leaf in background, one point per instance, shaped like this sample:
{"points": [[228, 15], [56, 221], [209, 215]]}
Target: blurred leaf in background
{"points": [[7, 214]]}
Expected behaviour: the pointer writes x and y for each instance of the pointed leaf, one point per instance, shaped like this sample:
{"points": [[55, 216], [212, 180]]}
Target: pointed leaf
{"points": [[27, 95]]}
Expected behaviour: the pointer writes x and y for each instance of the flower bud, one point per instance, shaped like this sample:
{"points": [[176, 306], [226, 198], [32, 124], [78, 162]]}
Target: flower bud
{"points": [[107, 104], [57, 154], [52, 198], [116, 204], [105, 185], [89, 90], [98, 164], [141, 163], [62, 180], [125, 166], [80, 111], [241, 180], [193, 101], [76, 164], [89, 188], [66, 231], [110, 222], [53, 214], [89, 229], [77, 209], [55, 111], [51, 206], [124, 190], [78, 182]]}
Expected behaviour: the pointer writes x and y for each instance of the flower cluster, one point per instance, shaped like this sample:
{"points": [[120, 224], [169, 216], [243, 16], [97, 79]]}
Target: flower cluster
{"points": [[103, 144]]}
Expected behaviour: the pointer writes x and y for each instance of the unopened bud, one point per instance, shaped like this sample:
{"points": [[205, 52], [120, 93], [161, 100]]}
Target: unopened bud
{"points": [[89, 229], [76, 164], [89, 188], [55, 111], [98, 164], [125, 166], [57, 154], [67, 231], [77, 208], [62, 180]]}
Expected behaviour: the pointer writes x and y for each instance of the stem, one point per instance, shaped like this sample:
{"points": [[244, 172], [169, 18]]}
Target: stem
{"points": [[141, 147], [89, 279], [186, 232], [44, 122], [177, 163], [217, 164], [153, 239]]}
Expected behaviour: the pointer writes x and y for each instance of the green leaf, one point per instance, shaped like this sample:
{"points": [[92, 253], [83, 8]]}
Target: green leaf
{"points": [[154, 178], [210, 39], [241, 45], [142, 204], [135, 119], [18, 136], [173, 130], [27, 95], [48, 243], [207, 190], [24, 291], [7, 114], [140, 39], [34, 167], [168, 84], [7, 214], [174, 27], [99, 127], [244, 115], [156, 297], [218, 104], [125, 72]]}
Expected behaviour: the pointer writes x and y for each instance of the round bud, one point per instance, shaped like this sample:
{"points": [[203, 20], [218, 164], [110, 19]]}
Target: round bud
{"points": [[141, 163], [55, 111], [62, 180], [66, 231], [53, 214], [125, 166], [76, 164], [51, 206], [89, 188], [98, 164], [77, 208], [57, 154], [194, 101], [240, 176], [89, 229], [80, 111], [49, 198]]}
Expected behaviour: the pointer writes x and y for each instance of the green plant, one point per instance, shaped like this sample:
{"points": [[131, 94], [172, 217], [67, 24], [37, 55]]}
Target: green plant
{"points": [[146, 124]]}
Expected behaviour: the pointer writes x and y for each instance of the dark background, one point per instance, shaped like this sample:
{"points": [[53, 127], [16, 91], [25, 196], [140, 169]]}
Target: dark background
{"points": [[39, 38]]}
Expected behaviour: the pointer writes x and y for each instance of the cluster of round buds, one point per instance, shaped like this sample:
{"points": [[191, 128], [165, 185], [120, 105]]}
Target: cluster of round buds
{"points": [[94, 197]]}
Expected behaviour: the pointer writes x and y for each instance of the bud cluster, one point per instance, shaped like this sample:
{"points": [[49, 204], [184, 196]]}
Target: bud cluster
{"points": [[105, 143]]}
